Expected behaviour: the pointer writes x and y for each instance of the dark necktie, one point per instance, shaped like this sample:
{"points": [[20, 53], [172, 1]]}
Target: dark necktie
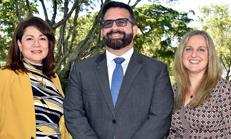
{"points": [[117, 78]]}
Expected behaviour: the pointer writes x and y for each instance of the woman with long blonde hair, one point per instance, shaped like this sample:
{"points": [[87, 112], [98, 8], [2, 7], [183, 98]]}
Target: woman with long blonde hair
{"points": [[202, 97]]}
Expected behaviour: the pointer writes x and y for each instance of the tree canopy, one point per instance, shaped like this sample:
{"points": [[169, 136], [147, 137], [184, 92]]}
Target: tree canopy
{"points": [[77, 27], [216, 19]]}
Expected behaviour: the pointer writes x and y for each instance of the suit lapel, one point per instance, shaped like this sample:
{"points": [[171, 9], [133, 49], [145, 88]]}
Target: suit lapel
{"points": [[102, 77], [133, 68]]}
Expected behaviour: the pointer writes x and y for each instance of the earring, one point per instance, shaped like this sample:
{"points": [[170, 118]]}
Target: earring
{"points": [[20, 56]]}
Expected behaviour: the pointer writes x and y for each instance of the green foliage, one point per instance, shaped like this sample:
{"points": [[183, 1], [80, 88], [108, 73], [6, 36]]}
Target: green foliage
{"points": [[11, 13], [77, 28], [216, 19], [159, 27]]}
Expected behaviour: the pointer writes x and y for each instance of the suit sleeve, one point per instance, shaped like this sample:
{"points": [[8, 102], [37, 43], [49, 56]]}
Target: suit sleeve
{"points": [[158, 122], [74, 113]]}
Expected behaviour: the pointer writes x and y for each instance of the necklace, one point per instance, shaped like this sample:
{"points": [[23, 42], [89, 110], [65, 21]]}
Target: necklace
{"points": [[42, 84], [38, 81], [36, 75]]}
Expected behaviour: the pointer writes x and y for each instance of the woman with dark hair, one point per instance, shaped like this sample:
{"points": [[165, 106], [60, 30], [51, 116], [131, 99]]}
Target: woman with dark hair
{"points": [[202, 108], [31, 97]]}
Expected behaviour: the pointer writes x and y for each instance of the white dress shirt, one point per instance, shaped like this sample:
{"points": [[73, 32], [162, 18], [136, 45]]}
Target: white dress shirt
{"points": [[111, 64]]}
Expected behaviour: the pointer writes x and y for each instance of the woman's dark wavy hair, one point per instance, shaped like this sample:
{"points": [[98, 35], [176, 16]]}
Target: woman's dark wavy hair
{"points": [[15, 60]]}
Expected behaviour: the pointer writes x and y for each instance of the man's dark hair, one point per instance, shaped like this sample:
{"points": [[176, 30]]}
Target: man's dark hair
{"points": [[115, 4]]}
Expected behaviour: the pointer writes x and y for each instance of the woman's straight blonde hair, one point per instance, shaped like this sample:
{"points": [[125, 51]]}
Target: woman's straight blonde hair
{"points": [[209, 80]]}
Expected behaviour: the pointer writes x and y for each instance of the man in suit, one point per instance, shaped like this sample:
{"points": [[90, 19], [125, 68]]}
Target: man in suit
{"points": [[142, 107]]}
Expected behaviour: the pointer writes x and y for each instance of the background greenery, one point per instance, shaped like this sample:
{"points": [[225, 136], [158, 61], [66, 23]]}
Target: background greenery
{"points": [[77, 27]]}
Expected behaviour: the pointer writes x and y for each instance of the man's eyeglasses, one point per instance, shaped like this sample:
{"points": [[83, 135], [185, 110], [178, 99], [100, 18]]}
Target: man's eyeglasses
{"points": [[120, 22]]}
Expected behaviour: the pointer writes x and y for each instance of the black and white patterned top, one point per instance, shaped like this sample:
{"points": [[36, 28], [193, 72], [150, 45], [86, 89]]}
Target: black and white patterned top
{"points": [[211, 120], [48, 103]]}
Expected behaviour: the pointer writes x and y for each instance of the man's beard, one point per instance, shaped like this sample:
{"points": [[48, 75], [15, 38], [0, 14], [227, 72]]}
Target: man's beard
{"points": [[119, 43]]}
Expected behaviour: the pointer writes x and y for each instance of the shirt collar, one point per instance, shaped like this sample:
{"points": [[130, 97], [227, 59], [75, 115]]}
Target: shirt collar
{"points": [[126, 56]]}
